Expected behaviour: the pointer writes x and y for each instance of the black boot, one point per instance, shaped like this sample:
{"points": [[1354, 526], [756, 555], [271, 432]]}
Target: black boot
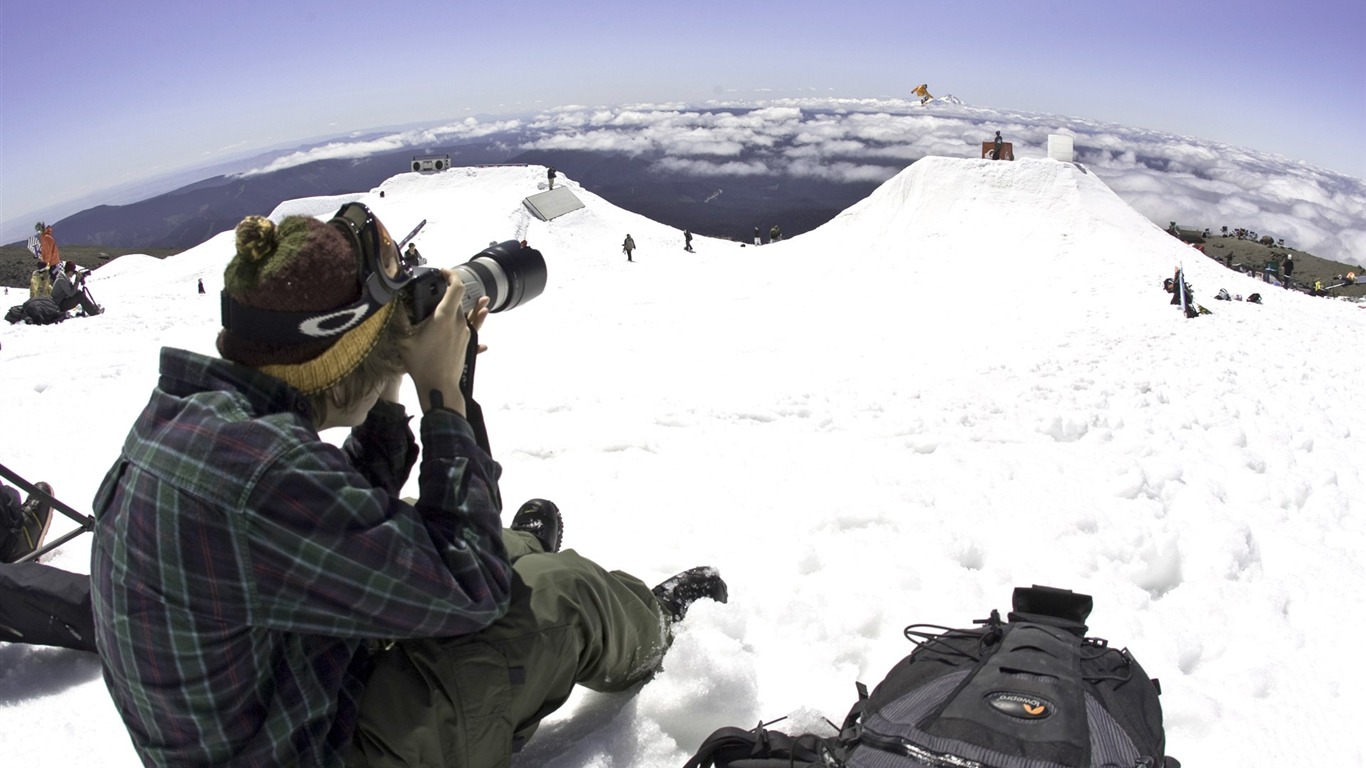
{"points": [[541, 518], [23, 533], [678, 592]]}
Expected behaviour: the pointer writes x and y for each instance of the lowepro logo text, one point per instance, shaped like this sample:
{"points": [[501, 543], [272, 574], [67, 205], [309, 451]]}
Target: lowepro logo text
{"points": [[1019, 705]]}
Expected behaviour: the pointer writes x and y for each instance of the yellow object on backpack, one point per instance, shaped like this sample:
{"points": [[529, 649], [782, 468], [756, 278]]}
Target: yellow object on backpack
{"points": [[39, 284]]}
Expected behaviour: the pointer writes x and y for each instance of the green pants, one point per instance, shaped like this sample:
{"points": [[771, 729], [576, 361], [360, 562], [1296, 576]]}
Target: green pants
{"points": [[472, 701]]}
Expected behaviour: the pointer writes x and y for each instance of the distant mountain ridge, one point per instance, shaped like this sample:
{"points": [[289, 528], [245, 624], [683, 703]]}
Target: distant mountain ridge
{"points": [[719, 205], [716, 206], [186, 217]]}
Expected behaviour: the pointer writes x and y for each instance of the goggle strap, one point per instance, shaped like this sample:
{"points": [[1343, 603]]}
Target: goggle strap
{"points": [[270, 326]]}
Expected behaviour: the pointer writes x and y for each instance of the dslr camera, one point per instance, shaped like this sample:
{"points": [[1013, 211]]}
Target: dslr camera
{"points": [[509, 273]]}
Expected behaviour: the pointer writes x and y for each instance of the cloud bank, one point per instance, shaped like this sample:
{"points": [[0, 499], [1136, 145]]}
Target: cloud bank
{"points": [[1195, 182], [354, 149]]}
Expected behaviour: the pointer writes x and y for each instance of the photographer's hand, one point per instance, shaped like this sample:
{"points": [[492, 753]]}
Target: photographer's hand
{"points": [[477, 316], [435, 356]]}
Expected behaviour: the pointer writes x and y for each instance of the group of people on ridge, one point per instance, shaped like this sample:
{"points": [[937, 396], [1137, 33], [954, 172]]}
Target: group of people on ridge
{"points": [[774, 235], [55, 287]]}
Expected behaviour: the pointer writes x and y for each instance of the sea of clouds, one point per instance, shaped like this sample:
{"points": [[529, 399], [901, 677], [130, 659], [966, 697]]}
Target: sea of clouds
{"points": [[1194, 182]]}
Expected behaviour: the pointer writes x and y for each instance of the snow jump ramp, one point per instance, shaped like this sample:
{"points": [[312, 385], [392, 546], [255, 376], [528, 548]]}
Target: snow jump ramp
{"points": [[549, 205]]}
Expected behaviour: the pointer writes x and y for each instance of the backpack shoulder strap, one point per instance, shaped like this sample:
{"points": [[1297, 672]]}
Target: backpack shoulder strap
{"points": [[852, 727], [759, 747]]}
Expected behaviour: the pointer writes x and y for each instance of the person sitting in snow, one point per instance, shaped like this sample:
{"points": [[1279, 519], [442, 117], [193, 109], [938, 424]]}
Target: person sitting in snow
{"points": [[69, 291], [262, 597], [1181, 293]]}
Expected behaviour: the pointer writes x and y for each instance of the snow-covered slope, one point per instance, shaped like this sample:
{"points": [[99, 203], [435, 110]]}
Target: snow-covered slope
{"points": [[970, 381]]}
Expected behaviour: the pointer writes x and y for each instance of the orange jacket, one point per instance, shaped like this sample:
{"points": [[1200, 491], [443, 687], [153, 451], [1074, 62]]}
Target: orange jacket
{"points": [[50, 254]]}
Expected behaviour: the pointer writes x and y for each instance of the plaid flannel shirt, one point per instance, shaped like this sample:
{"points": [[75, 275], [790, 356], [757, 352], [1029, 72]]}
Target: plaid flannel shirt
{"points": [[241, 566]]}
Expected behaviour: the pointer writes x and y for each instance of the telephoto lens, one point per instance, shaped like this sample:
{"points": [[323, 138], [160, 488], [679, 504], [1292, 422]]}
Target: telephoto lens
{"points": [[508, 273]]}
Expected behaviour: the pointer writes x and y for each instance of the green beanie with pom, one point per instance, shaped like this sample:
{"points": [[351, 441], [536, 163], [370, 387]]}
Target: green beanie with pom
{"points": [[300, 265]]}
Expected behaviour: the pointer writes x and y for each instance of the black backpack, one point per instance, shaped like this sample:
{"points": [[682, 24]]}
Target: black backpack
{"points": [[43, 605], [1029, 692], [42, 311]]}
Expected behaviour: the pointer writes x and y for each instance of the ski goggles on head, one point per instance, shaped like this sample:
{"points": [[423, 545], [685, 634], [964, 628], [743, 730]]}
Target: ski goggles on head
{"points": [[386, 271], [382, 274], [382, 268]]}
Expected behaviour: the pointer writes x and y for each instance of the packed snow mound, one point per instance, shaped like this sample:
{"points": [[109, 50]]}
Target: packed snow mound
{"points": [[950, 215], [1029, 235], [985, 201]]}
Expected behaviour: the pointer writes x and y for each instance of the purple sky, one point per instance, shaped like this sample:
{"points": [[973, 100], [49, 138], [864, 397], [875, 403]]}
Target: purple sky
{"points": [[105, 95]]}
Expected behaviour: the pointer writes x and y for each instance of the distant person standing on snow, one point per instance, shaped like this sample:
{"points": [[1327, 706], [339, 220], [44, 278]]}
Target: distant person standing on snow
{"points": [[201, 286], [757, 239], [51, 256], [412, 257], [550, 176], [628, 245], [1288, 266], [775, 234], [687, 240], [997, 146]]}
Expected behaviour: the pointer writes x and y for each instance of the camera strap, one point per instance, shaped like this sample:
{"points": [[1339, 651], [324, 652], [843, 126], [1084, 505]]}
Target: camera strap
{"points": [[473, 413]]}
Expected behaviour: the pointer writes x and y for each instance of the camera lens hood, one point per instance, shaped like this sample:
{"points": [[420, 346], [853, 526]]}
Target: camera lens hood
{"points": [[513, 275]]}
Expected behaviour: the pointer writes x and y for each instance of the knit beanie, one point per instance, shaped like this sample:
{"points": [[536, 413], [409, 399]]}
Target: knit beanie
{"points": [[300, 265]]}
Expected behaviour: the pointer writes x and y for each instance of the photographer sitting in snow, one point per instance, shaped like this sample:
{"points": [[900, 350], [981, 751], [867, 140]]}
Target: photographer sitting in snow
{"points": [[69, 291], [262, 597]]}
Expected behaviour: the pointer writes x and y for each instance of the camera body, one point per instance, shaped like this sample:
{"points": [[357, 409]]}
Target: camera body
{"points": [[508, 273]]}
